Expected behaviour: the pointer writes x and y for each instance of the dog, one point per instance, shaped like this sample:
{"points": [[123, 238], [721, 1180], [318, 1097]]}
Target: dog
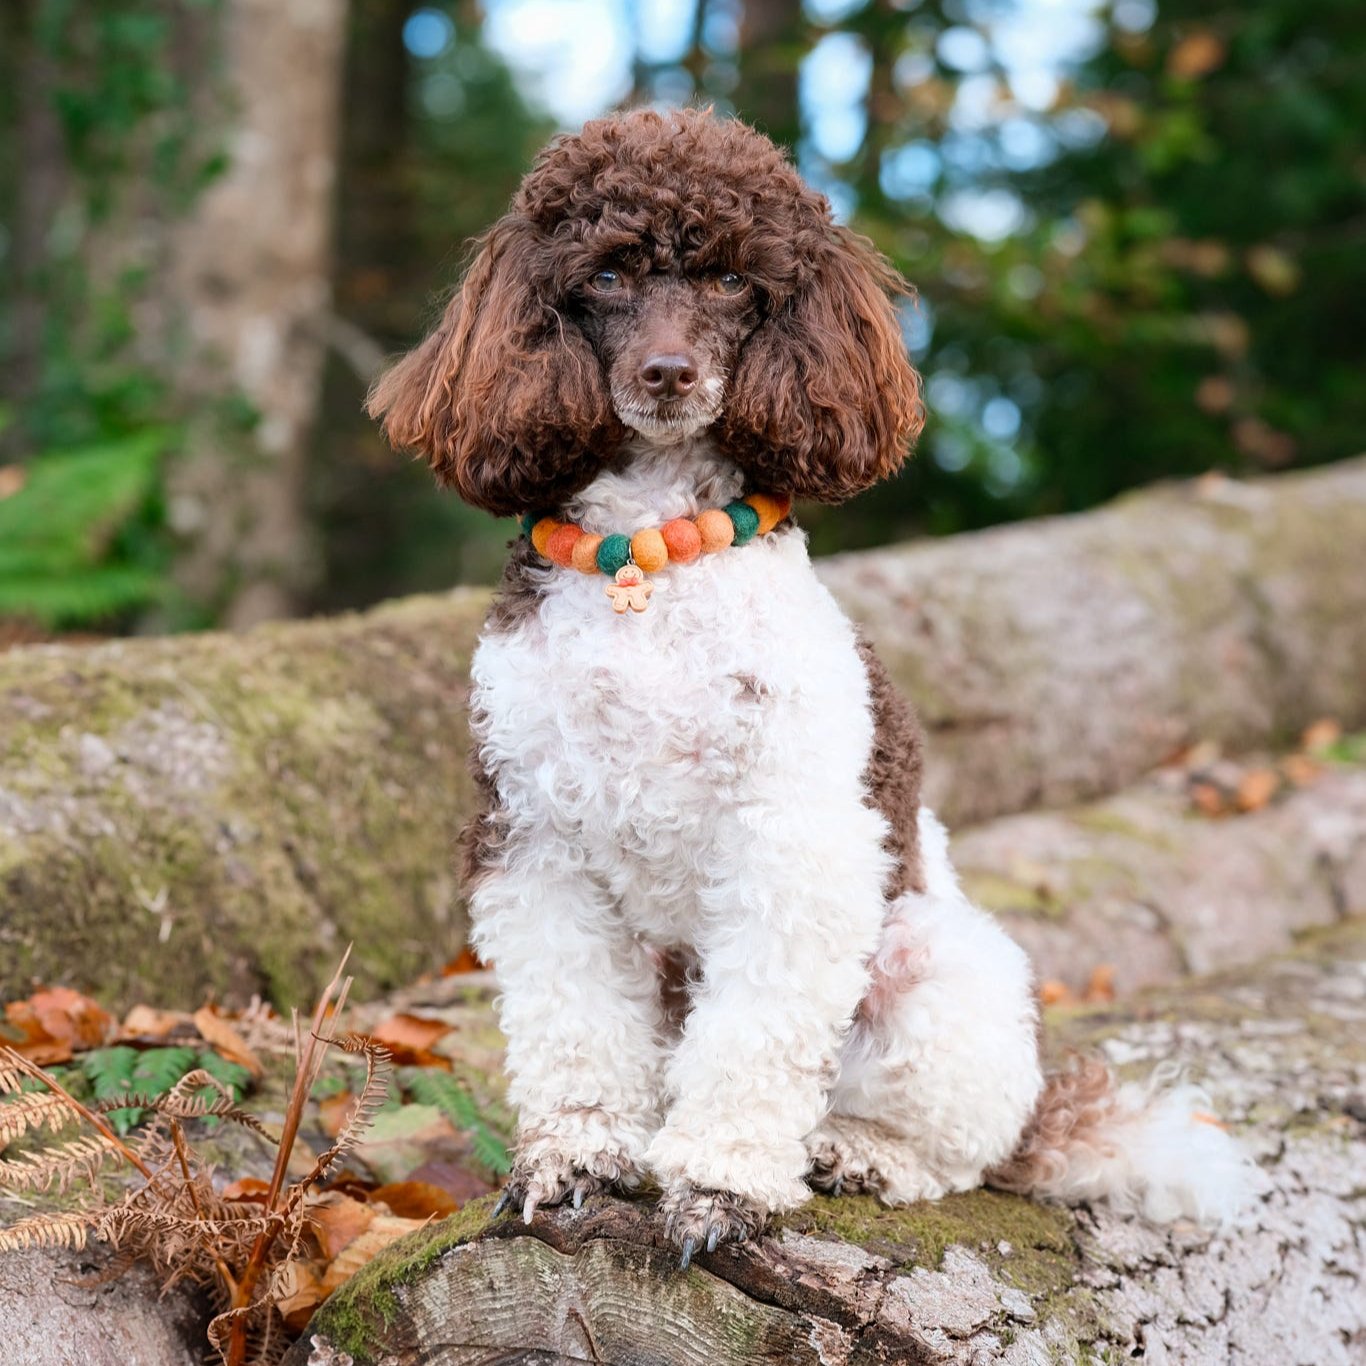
{"points": [[732, 953]]}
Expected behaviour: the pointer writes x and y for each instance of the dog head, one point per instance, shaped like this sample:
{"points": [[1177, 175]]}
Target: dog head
{"points": [[657, 276]]}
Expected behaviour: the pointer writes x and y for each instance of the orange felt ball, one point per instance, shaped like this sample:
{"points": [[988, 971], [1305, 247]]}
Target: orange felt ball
{"points": [[771, 509], [560, 544], [649, 551], [716, 529], [683, 540], [585, 554], [542, 532]]}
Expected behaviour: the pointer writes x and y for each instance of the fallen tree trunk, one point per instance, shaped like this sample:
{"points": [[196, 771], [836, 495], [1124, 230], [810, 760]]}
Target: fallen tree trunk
{"points": [[1143, 885], [1060, 659], [224, 812], [975, 1278]]}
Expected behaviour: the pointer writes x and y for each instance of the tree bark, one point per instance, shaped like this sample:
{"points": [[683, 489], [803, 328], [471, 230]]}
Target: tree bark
{"points": [[64, 1307], [227, 811], [975, 1278], [770, 52], [251, 281]]}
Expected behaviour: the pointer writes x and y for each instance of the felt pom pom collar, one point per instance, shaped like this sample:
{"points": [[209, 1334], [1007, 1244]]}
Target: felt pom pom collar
{"points": [[629, 558]]}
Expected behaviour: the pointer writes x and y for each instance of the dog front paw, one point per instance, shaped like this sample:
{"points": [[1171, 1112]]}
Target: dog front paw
{"points": [[546, 1175], [695, 1217]]}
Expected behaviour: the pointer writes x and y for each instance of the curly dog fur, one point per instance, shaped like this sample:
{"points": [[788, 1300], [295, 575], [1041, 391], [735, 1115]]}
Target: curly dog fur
{"points": [[733, 954]]}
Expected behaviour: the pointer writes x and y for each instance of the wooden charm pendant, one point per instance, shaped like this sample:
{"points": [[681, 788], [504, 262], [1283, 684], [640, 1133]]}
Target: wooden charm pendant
{"points": [[630, 589]]}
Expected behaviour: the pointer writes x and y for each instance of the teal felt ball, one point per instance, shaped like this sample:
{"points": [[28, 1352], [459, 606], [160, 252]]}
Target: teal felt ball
{"points": [[614, 552], [745, 520]]}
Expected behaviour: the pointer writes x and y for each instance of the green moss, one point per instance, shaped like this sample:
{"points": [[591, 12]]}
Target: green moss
{"points": [[917, 1235], [1000, 894], [264, 799], [1108, 821], [357, 1316]]}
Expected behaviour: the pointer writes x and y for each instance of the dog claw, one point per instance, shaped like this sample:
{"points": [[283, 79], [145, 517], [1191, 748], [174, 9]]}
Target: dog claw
{"points": [[689, 1247], [713, 1238], [529, 1209], [578, 1197], [504, 1203]]}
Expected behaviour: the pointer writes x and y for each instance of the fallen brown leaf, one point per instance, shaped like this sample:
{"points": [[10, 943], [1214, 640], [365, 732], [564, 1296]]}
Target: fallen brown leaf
{"points": [[415, 1200], [12, 479], [1100, 987], [1054, 993], [409, 1039], [300, 1291], [454, 1177], [1323, 734], [385, 1229], [1256, 788], [248, 1188], [336, 1221], [1208, 798], [464, 961], [1299, 770], [334, 1111], [147, 1022], [55, 1023], [225, 1039]]}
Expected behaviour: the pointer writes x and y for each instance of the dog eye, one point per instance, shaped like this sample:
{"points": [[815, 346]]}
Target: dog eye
{"points": [[730, 283], [606, 282]]}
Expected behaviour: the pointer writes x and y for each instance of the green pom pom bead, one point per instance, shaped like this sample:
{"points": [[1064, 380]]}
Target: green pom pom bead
{"points": [[529, 520], [614, 552], [745, 520]]}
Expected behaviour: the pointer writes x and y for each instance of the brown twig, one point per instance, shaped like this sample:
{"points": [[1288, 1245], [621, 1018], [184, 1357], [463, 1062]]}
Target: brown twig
{"points": [[309, 1063]]}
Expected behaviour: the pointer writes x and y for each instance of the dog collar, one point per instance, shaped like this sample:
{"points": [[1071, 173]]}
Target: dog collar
{"points": [[629, 558]]}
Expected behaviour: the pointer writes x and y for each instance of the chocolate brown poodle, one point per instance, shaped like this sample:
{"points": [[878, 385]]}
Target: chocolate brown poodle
{"points": [[688, 757]]}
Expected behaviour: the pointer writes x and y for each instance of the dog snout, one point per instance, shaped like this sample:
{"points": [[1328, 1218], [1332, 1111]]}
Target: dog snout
{"points": [[668, 376]]}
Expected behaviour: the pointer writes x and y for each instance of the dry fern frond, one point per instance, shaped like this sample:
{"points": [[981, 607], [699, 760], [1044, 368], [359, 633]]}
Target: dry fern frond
{"points": [[369, 1101], [258, 1330], [186, 1107], [47, 1230], [31, 1111], [60, 1165]]}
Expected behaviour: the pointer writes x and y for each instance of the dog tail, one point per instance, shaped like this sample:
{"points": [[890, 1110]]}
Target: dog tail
{"points": [[1152, 1149]]}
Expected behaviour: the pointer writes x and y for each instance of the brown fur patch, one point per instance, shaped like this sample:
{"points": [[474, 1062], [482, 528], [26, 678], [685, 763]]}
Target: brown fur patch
{"points": [[1076, 1103], [893, 773], [525, 576], [486, 830]]}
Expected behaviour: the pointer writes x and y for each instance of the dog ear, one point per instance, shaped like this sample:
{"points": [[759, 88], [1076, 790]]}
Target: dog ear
{"points": [[505, 398], [824, 401]]}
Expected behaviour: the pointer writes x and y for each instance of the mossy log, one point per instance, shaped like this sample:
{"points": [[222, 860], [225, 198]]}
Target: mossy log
{"points": [[225, 812], [1145, 886], [975, 1278]]}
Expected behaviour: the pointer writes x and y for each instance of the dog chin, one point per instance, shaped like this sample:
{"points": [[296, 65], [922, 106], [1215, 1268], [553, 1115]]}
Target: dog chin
{"points": [[657, 431]]}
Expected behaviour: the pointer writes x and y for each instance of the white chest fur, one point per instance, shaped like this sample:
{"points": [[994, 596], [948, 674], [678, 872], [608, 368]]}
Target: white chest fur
{"points": [[652, 741]]}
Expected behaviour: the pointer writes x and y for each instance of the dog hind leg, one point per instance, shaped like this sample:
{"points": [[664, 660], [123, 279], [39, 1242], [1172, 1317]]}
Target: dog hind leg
{"points": [[941, 1072]]}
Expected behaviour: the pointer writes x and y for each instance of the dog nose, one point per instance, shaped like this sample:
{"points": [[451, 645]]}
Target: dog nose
{"points": [[668, 376]]}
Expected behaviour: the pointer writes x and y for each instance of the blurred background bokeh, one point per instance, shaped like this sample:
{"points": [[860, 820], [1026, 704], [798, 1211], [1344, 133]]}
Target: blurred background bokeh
{"points": [[1137, 228]]}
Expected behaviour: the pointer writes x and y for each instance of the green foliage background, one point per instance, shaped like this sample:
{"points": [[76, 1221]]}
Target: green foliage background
{"points": [[1179, 289]]}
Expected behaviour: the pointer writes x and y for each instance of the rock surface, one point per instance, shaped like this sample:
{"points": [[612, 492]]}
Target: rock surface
{"points": [[974, 1279]]}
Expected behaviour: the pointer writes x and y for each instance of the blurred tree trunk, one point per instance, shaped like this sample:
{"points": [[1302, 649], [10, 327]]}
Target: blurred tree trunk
{"points": [[770, 51], [36, 182], [251, 278]]}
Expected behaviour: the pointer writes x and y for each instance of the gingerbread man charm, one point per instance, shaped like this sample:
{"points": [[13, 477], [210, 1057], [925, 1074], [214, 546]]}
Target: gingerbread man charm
{"points": [[631, 589]]}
